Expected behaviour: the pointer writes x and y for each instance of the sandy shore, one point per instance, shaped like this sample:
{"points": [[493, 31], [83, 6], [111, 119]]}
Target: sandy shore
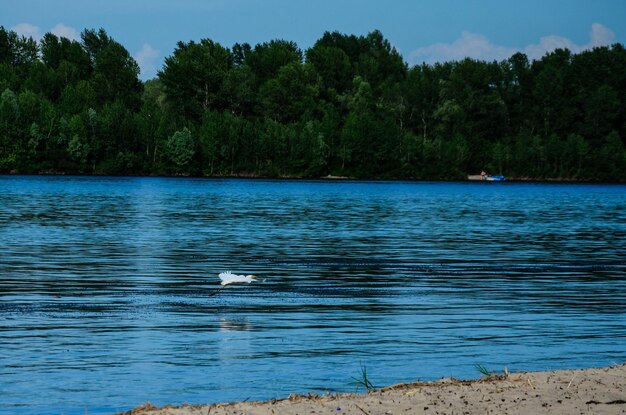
{"points": [[588, 391]]}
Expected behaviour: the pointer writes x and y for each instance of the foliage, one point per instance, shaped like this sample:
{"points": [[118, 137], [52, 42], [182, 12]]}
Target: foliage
{"points": [[491, 374], [347, 106], [363, 380], [180, 147]]}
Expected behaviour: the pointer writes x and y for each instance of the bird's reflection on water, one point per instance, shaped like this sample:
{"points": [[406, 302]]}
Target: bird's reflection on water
{"points": [[227, 324]]}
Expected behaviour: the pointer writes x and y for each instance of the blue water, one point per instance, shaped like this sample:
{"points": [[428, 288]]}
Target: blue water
{"points": [[105, 284]]}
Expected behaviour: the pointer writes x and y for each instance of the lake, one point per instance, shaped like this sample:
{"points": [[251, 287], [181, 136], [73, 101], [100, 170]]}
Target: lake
{"points": [[106, 283]]}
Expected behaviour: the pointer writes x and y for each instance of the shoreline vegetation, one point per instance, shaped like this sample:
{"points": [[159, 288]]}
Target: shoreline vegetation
{"points": [[348, 106], [329, 177], [581, 391]]}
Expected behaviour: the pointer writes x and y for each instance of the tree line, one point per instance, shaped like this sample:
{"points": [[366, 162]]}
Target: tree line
{"points": [[347, 106]]}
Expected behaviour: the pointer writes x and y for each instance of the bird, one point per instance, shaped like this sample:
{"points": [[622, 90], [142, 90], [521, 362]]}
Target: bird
{"points": [[230, 278]]}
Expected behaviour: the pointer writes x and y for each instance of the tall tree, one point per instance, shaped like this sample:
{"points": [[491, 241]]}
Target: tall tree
{"points": [[115, 72], [267, 58], [194, 78]]}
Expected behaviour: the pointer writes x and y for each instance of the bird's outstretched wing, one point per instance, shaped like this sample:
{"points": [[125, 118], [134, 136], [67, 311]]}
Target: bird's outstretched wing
{"points": [[226, 277]]}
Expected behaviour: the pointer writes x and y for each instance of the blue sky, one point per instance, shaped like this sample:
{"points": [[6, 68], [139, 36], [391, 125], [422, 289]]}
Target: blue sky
{"points": [[423, 31]]}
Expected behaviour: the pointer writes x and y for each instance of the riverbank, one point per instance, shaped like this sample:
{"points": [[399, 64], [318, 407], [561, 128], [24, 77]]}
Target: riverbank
{"points": [[586, 391], [330, 177]]}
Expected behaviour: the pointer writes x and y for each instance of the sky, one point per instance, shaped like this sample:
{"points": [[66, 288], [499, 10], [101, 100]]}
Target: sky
{"points": [[421, 30]]}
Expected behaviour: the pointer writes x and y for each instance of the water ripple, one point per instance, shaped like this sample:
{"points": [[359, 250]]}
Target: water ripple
{"points": [[106, 283]]}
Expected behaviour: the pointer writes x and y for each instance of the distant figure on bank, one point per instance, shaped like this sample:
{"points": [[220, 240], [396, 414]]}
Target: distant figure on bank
{"points": [[483, 175]]}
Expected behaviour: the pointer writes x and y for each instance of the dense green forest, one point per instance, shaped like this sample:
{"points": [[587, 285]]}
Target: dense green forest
{"points": [[348, 106]]}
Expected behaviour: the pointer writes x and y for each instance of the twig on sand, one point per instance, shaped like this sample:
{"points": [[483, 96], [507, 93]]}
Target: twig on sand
{"points": [[361, 409], [570, 382]]}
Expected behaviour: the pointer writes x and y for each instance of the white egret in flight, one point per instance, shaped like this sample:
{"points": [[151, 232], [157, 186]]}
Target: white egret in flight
{"points": [[228, 278]]}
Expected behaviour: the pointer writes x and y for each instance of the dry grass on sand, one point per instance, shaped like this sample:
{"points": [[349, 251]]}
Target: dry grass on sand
{"points": [[588, 391]]}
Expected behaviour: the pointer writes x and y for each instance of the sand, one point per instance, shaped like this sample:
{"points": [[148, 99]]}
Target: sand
{"points": [[588, 391]]}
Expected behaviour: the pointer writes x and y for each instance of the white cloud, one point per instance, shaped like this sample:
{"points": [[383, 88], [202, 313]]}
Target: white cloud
{"points": [[27, 30], [468, 45], [65, 31], [601, 35], [477, 46], [548, 44], [146, 59], [61, 30]]}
